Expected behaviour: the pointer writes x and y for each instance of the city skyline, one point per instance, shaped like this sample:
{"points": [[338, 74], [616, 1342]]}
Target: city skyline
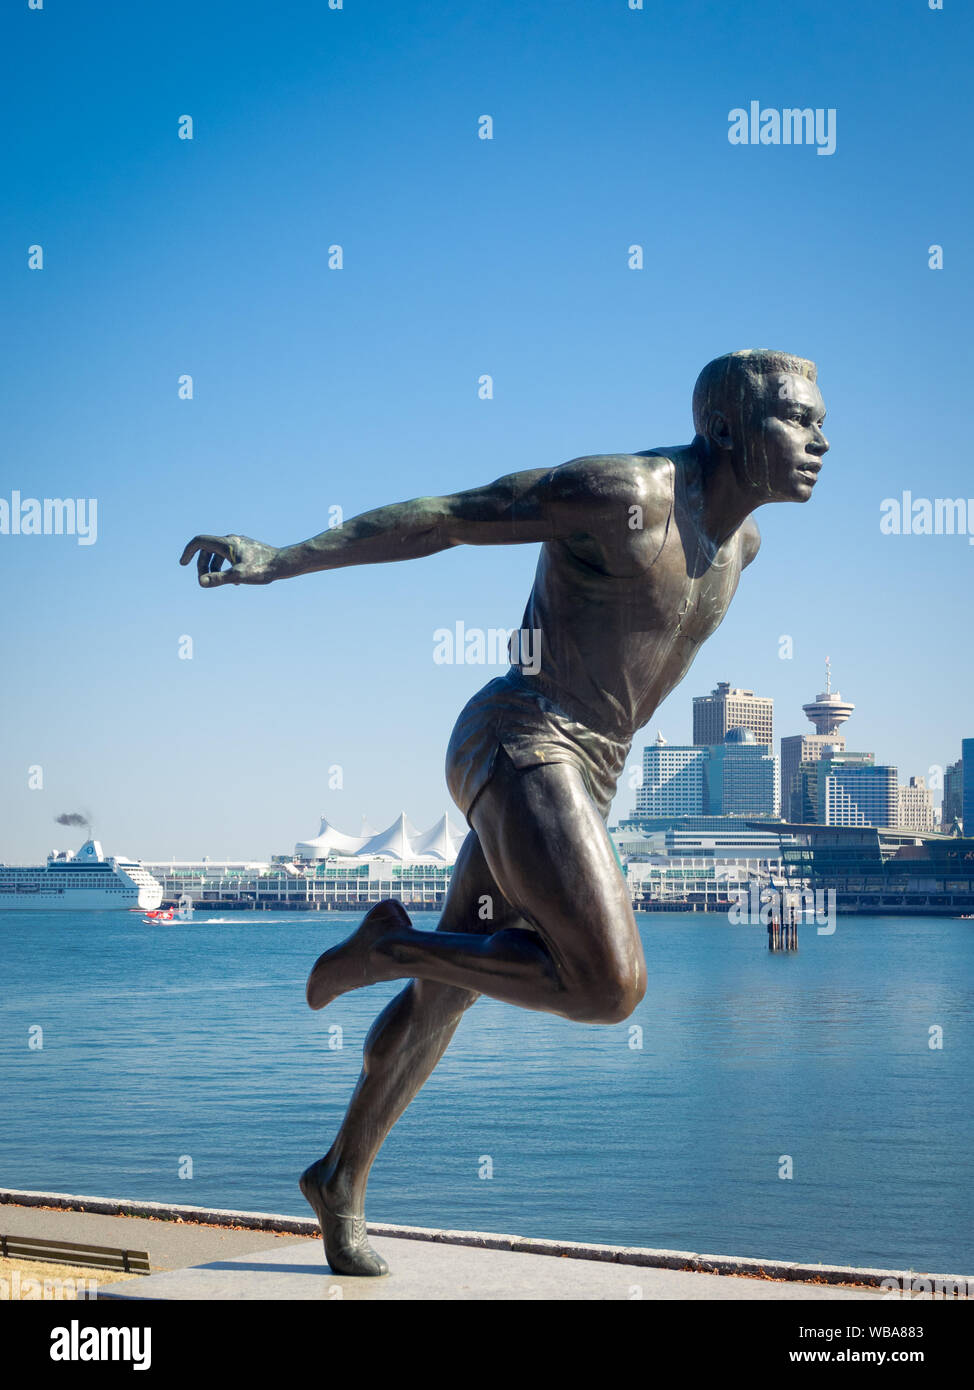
{"points": [[674, 775]]}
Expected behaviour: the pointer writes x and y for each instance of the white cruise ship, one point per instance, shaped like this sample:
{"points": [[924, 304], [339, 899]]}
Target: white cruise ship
{"points": [[84, 881]]}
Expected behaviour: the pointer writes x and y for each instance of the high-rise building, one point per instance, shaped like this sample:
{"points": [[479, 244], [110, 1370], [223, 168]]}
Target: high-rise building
{"points": [[672, 780], [740, 777], [728, 707], [808, 797], [795, 750], [953, 807], [849, 789], [915, 806], [827, 711], [735, 778], [967, 761]]}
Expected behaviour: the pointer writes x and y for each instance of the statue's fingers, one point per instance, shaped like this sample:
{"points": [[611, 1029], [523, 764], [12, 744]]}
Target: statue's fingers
{"points": [[209, 544]]}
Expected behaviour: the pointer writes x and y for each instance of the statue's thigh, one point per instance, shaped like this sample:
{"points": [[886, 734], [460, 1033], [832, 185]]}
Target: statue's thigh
{"points": [[474, 902], [549, 851]]}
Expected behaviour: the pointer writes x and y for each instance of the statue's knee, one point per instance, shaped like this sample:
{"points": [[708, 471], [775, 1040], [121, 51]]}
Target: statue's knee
{"points": [[612, 1000], [618, 1007], [627, 992]]}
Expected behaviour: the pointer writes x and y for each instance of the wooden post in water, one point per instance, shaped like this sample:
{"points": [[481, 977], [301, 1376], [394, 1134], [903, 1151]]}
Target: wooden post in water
{"points": [[783, 933]]}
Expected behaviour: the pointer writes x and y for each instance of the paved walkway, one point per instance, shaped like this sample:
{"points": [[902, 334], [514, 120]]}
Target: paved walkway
{"points": [[424, 1270], [232, 1255]]}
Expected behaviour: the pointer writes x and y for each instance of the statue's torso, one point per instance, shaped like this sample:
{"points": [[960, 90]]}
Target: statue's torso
{"points": [[613, 646]]}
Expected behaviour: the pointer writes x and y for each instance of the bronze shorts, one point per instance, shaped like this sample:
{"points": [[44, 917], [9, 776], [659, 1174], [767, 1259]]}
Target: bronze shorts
{"points": [[532, 729]]}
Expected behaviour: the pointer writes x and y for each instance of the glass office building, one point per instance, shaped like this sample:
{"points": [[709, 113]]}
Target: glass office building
{"points": [[967, 758]]}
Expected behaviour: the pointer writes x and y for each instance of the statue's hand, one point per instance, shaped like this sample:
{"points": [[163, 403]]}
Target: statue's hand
{"points": [[251, 562]]}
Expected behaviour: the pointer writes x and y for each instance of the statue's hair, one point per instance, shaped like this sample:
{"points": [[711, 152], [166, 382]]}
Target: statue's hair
{"points": [[732, 382]]}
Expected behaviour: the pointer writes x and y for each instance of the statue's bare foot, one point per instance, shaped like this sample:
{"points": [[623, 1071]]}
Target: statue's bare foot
{"points": [[347, 1248], [350, 965]]}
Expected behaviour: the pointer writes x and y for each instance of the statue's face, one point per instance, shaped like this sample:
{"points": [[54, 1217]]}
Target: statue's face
{"points": [[785, 442]]}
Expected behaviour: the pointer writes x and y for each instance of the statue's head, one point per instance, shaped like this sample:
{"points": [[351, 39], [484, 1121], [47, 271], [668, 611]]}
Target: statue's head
{"points": [[764, 412]]}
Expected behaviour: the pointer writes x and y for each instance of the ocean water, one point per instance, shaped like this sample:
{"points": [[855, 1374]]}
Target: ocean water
{"points": [[162, 1044]]}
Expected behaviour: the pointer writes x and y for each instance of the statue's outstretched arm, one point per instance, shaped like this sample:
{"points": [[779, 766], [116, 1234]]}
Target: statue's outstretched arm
{"points": [[521, 507]]}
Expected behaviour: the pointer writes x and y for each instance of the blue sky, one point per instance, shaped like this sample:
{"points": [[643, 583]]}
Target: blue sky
{"points": [[317, 387]]}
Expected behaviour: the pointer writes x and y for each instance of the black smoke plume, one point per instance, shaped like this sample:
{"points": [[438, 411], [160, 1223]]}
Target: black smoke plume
{"points": [[72, 818]]}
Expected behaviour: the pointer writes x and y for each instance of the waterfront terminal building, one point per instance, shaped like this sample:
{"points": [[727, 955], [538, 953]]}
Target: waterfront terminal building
{"points": [[698, 863], [887, 871], [333, 871]]}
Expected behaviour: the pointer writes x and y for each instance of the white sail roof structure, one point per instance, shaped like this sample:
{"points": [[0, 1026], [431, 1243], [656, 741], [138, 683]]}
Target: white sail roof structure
{"points": [[395, 842], [329, 840], [400, 841], [441, 841]]}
